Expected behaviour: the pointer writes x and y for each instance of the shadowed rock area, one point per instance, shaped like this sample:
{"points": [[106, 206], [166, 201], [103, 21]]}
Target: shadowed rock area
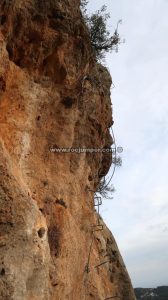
{"points": [[53, 94]]}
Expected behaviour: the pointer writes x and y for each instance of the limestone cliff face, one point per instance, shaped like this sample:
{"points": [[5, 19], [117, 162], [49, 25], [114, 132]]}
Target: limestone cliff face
{"points": [[53, 95]]}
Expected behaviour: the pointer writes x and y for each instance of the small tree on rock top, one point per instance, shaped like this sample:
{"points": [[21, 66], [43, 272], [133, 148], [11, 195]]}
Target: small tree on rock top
{"points": [[101, 40]]}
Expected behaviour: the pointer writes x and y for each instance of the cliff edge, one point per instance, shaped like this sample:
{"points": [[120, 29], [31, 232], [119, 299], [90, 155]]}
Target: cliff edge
{"points": [[53, 95]]}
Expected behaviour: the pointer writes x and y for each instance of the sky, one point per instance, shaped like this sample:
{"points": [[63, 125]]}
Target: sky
{"points": [[138, 213]]}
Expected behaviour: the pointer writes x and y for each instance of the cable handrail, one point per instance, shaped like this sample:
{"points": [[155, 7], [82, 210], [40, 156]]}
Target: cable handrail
{"points": [[99, 225]]}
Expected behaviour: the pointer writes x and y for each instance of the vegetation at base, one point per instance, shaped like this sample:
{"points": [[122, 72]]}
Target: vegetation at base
{"points": [[159, 293]]}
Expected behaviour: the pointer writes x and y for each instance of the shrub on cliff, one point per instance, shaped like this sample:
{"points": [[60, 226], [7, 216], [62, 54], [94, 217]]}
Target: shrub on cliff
{"points": [[101, 39], [105, 188], [117, 160]]}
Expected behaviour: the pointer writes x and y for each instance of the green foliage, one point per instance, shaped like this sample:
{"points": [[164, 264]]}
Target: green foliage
{"points": [[83, 4], [104, 188], [159, 293], [117, 160], [101, 39]]}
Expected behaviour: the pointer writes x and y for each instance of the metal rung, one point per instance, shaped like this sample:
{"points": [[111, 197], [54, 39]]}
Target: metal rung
{"points": [[99, 226], [99, 201], [90, 190], [105, 262], [112, 297]]}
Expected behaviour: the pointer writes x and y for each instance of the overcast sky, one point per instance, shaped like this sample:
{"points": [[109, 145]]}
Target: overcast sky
{"points": [[138, 214]]}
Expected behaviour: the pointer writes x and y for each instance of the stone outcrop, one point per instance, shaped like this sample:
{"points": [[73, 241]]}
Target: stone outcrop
{"points": [[53, 94]]}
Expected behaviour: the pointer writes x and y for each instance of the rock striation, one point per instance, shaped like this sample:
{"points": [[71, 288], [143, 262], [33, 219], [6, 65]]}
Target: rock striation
{"points": [[53, 94]]}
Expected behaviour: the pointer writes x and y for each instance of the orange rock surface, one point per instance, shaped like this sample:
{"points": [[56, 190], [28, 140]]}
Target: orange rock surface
{"points": [[53, 94]]}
